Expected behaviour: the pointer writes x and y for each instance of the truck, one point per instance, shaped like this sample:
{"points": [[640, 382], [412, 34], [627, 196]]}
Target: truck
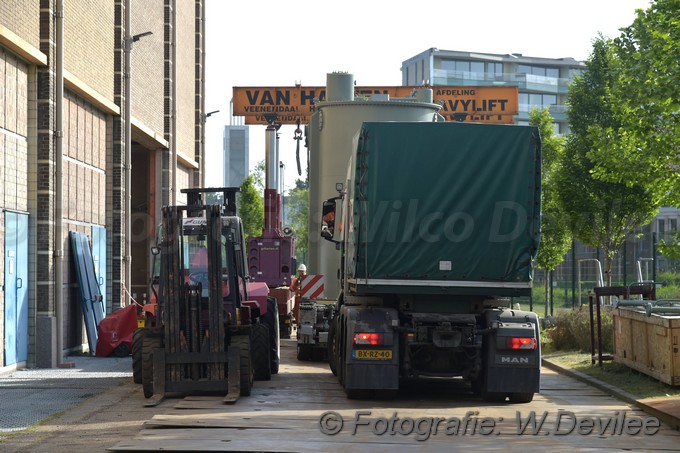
{"points": [[435, 228], [209, 329]]}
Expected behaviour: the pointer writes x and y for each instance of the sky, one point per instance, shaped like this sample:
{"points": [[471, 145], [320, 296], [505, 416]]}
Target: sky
{"points": [[276, 43]]}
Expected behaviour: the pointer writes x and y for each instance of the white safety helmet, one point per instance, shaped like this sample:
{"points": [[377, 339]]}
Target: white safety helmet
{"points": [[302, 268]]}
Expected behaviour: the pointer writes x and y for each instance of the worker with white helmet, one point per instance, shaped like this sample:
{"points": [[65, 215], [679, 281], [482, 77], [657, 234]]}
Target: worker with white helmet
{"points": [[296, 287]]}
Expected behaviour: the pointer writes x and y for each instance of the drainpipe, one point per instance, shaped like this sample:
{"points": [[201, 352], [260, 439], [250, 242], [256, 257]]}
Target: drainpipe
{"points": [[203, 167], [173, 104], [58, 193], [127, 48]]}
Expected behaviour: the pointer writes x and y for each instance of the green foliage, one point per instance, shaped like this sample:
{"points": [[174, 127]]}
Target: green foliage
{"points": [[670, 247], [555, 235], [258, 175], [572, 331], [298, 206], [648, 95], [600, 213], [668, 279], [251, 208]]}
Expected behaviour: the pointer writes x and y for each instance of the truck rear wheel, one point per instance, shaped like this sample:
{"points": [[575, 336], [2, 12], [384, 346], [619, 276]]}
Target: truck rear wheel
{"points": [[521, 398], [261, 353]]}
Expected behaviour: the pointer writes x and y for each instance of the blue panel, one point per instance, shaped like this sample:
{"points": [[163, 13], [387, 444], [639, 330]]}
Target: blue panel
{"points": [[10, 288], [22, 287], [91, 298], [99, 258]]}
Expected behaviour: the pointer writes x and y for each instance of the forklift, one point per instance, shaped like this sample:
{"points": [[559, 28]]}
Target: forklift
{"points": [[207, 335]]}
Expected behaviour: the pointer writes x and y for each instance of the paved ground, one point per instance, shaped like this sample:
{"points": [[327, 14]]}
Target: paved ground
{"points": [[86, 408], [95, 405]]}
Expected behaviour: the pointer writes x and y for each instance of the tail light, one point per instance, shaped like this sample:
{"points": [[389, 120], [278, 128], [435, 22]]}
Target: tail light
{"points": [[369, 338], [521, 343]]}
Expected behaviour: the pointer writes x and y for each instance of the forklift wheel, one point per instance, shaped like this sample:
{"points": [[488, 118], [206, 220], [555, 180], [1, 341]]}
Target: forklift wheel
{"points": [[150, 343], [261, 353], [243, 342], [137, 341]]}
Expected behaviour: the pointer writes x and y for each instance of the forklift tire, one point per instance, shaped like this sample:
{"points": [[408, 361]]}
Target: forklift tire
{"points": [[137, 341], [246, 378], [150, 343], [261, 353]]}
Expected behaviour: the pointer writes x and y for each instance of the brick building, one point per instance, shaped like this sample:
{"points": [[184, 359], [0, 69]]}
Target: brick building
{"points": [[69, 172]]}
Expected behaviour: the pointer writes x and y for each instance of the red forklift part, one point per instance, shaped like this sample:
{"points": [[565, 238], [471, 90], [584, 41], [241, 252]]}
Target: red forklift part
{"points": [[115, 332]]}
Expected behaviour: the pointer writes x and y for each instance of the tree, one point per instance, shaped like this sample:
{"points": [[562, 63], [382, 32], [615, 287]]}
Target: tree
{"points": [[259, 176], [600, 213], [647, 97], [555, 234], [650, 93], [298, 206], [251, 208]]}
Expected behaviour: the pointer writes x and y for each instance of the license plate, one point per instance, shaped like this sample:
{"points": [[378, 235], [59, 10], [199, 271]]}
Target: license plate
{"points": [[375, 354]]}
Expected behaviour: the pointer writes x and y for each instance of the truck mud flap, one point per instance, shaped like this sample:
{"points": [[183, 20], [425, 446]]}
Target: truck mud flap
{"points": [[373, 363], [512, 352]]}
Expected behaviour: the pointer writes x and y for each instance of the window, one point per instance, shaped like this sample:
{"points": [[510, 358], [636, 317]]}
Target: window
{"points": [[536, 100], [448, 65], [538, 71], [477, 68], [463, 66], [495, 68]]}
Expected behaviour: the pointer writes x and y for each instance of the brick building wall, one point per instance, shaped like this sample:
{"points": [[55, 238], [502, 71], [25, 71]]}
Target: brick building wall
{"points": [[88, 43], [13, 151], [186, 80], [22, 17], [93, 178], [147, 64]]}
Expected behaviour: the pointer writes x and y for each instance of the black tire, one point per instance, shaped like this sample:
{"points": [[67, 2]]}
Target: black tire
{"points": [[150, 343], [261, 353], [246, 378], [332, 347], [358, 394], [521, 398], [271, 319], [304, 352], [493, 397], [122, 350], [137, 341]]}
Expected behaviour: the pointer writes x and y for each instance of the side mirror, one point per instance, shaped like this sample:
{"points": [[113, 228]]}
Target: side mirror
{"points": [[155, 250]]}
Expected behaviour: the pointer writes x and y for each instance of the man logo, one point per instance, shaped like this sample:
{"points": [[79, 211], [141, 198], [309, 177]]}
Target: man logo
{"points": [[519, 360]]}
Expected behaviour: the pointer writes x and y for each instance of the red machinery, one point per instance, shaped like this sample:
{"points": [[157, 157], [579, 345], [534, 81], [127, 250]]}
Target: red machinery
{"points": [[271, 256]]}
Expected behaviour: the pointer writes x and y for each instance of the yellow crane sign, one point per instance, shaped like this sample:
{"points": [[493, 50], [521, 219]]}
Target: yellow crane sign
{"points": [[483, 104]]}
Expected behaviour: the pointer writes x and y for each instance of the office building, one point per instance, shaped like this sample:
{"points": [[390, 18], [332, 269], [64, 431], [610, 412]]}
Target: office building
{"points": [[236, 150], [542, 82]]}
